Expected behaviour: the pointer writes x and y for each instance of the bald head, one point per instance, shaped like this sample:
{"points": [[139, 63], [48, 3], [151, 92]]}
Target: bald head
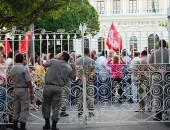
{"points": [[111, 53]]}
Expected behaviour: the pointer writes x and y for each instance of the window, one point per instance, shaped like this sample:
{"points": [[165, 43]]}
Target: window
{"points": [[132, 6], [116, 6], [100, 7], [152, 41], [133, 42], [101, 44], [152, 6]]}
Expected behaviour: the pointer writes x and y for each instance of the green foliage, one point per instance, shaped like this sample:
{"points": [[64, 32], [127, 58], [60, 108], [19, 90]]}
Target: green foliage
{"points": [[48, 14], [70, 18], [22, 13], [164, 24]]}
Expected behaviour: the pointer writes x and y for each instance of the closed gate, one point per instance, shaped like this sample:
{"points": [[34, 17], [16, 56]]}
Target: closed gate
{"points": [[116, 93]]}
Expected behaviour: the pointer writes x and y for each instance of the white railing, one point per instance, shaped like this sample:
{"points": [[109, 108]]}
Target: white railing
{"points": [[133, 11], [116, 11], [137, 11], [102, 12], [153, 11]]}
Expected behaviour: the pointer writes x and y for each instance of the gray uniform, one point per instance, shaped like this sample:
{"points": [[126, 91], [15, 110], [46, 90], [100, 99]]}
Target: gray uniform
{"points": [[159, 84], [20, 76], [89, 66], [67, 86], [55, 78]]}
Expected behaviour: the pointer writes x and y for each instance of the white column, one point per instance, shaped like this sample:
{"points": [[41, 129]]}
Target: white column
{"points": [[107, 8], [166, 5], [124, 6], [140, 6], [168, 16]]}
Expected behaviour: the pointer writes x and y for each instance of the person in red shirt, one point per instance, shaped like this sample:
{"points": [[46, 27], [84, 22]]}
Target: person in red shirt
{"points": [[116, 75]]}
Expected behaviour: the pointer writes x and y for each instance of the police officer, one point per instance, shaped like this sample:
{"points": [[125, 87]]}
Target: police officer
{"points": [[55, 78], [21, 95], [89, 69]]}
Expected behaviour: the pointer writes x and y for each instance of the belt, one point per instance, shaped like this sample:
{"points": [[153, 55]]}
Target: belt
{"points": [[20, 87], [50, 84]]}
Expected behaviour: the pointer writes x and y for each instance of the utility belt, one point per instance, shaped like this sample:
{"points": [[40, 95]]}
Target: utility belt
{"points": [[51, 84], [20, 87]]}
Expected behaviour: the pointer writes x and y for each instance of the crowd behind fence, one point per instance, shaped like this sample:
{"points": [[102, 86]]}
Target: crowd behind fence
{"points": [[120, 78]]}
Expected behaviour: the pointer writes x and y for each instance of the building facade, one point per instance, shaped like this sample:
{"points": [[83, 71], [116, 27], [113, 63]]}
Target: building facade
{"points": [[137, 21]]}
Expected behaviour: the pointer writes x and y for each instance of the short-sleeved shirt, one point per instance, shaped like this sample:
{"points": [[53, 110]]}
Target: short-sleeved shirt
{"points": [[58, 72], [89, 65], [20, 76], [71, 60], [159, 56]]}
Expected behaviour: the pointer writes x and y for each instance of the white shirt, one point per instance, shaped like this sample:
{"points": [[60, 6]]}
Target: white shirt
{"points": [[102, 62], [126, 59], [133, 62], [8, 61]]}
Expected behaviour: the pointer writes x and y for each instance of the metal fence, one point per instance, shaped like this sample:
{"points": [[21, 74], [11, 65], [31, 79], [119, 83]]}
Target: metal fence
{"points": [[134, 96]]}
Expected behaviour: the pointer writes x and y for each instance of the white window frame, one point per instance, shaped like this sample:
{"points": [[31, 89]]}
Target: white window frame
{"points": [[132, 6], [100, 7]]}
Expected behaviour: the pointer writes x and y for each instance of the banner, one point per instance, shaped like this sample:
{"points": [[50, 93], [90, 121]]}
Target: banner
{"points": [[7, 47], [114, 40], [25, 43]]}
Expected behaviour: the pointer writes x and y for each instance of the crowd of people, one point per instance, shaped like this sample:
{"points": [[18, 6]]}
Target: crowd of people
{"points": [[115, 72]]}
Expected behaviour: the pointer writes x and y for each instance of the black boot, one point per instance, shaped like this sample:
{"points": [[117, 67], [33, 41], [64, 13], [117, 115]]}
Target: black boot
{"points": [[15, 125], [47, 124], [22, 126], [54, 125]]}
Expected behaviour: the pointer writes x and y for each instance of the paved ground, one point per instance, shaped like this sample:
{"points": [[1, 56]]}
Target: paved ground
{"points": [[130, 126], [116, 118], [138, 126]]}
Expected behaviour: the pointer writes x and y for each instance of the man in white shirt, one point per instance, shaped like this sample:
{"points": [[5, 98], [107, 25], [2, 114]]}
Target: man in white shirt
{"points": [[103, 76], [127, 79], [125, 58], [134, 85], [102, 61]]}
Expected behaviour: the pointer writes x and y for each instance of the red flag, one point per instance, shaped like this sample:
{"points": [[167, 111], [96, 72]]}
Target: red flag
{"points": [[7, 48], [114, 40], [25, 43]]}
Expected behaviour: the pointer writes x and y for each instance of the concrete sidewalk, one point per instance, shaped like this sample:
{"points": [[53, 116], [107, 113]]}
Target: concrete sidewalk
{"points": [[116, 126], [130, 126]]}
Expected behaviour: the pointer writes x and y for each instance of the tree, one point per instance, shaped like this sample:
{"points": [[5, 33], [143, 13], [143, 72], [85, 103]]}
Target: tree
{"points": [[164, 24], [48, 14], [22, 13], [70, 18]]}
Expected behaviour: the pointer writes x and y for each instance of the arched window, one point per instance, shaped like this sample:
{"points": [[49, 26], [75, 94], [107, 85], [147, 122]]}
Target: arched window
{"points": [[101, 44], [133, 42], [153, 40], [86, 43]]}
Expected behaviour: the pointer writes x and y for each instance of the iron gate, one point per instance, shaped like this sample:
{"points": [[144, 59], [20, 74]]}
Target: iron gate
{"points": [[110, 106]]}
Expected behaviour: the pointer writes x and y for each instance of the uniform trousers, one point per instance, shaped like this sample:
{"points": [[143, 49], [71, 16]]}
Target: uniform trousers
{"points": [[52, 96], [21, 104]]}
